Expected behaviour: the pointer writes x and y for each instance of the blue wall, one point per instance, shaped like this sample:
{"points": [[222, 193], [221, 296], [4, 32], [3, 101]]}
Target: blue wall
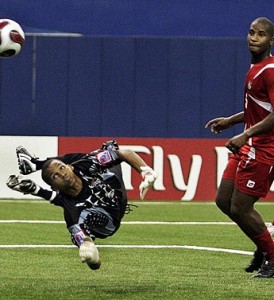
{"points": [[218, 18], [121, 86], [144, 68]]}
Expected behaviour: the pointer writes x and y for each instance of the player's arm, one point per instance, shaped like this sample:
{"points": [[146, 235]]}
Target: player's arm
{"points": [[217, 125], [28, 186], [135, 161], [111, 154], [131, 158], [266, 125]]}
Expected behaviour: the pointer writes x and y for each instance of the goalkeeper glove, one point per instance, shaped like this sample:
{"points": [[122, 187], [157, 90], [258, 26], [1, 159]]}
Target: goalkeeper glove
{"points": [[25, 161], [149, 176], [25, 186]]}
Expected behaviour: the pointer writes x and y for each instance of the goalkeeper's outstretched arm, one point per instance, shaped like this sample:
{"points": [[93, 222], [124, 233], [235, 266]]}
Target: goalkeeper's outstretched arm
{"points": [[148, 174], [27, 186]]}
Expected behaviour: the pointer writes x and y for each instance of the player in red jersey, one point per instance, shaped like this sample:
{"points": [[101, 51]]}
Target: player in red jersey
{"points": [[249, 172]]}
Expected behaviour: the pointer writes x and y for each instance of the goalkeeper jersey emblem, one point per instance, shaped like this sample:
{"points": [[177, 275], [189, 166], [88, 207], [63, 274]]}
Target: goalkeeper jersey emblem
{"points": [[104, 157]]}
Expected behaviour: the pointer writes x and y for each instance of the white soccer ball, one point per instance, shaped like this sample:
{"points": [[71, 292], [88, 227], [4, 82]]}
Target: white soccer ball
{"points": [[12, 38]]}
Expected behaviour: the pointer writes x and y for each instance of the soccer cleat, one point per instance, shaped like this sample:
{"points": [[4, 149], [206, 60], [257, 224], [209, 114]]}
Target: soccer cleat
{"points": [[256, 262], [89, 253], [26, 166], [266, 271], [270, 228]]}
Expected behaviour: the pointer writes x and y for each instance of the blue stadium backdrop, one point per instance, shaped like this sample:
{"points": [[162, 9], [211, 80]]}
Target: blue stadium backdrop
{"points": [[121, 86], [137, 69]]}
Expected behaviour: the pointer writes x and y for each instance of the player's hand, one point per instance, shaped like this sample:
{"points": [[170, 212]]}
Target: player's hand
{"points": [[218, 125], [236, 142], [25, 161], [19, 184], [149, 176]]}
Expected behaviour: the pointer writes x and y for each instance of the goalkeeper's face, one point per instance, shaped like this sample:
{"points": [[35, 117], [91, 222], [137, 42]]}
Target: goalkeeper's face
{"points": [[61, 176]]}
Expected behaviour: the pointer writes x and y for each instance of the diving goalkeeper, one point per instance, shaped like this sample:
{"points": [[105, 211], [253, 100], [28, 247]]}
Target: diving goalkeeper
{"points": [[90, 189]]}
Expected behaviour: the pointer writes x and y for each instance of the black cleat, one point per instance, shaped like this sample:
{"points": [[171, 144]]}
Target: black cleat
{"points": [[266, 271], [25, 160], [256, 262]]}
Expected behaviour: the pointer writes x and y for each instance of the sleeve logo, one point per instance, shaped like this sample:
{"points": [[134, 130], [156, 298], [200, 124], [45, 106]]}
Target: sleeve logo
{"points": [[104, 157]]}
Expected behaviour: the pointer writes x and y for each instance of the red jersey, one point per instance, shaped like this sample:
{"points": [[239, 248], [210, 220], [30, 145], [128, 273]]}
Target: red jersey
{"points": [[258, 104]]}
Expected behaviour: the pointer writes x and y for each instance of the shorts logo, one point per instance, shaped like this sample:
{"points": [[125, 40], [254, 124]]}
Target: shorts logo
{"points": [[250, 184]]}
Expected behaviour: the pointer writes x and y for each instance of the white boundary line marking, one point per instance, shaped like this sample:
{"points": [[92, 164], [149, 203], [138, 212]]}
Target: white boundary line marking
{"points": [[125, 223], [32, 221], [175, 223], [129, 246], [42, 201], [136, 247]]}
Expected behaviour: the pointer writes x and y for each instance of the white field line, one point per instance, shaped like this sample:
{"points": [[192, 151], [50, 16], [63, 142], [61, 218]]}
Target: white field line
{"points": [[175, 223], [125, 223], [130, 246], [41, 201], [128, 223], [135, 247]]}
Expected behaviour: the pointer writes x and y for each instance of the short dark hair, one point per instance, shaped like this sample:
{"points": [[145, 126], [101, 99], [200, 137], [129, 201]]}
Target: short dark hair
{"points": [[268, 23], [44, 172]]}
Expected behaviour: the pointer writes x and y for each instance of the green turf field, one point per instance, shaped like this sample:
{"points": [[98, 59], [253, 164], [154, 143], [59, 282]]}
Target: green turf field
{"points": [[144, 260]]}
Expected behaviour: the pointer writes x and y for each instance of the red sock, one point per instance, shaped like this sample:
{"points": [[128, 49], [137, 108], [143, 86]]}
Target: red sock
{"points": [[265, 244]]}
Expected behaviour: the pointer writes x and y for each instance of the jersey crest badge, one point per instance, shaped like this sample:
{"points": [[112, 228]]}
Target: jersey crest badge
{"points": [[104, 157]]}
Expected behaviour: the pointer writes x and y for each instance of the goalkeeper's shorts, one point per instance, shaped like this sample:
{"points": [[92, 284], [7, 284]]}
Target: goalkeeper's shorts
{"points": [[97, 222]]}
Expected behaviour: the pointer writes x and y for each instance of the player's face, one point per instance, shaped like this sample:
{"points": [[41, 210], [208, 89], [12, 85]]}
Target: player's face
{"points": [[259, 40], [61, 176]]}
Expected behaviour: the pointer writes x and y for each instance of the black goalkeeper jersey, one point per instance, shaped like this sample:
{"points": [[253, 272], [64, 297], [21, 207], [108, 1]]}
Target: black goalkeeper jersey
{"points": [[94, 173]]}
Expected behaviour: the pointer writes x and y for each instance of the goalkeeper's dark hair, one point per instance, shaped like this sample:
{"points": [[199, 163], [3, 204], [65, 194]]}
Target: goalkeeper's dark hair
{"points": [[44, 172]]}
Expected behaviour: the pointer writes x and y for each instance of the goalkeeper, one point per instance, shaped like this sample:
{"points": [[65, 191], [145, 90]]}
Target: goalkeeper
{"points": [[90, 189]]}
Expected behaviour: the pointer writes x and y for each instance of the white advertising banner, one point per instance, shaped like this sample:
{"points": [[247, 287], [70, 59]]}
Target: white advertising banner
{"points": [[40, 146]]}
